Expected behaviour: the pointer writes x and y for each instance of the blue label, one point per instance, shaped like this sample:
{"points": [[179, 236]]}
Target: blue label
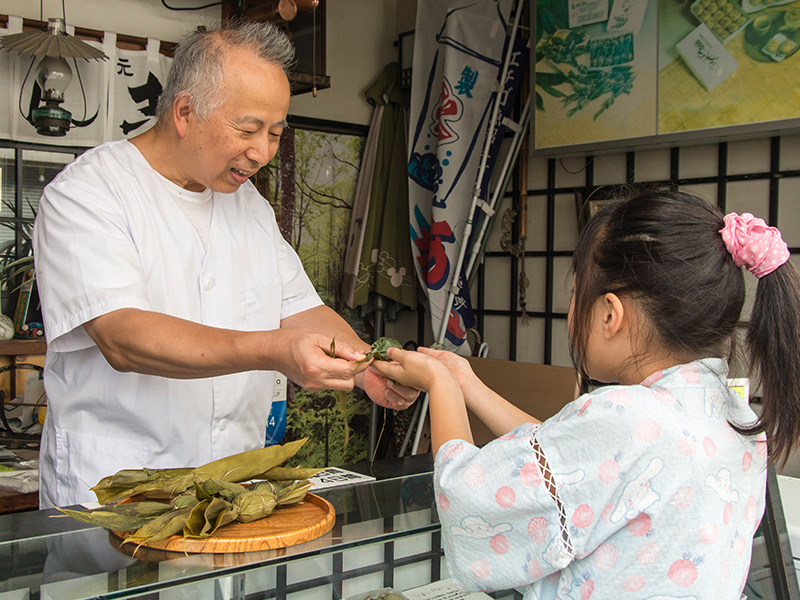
{"points": [[276, 423]]}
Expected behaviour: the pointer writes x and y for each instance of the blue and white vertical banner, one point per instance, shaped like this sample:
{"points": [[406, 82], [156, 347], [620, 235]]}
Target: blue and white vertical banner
{"points": [[458, 58]]}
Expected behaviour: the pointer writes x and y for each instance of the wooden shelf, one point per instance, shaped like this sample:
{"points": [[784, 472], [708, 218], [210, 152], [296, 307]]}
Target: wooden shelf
{"points": [[12, 502], [21, 347]]}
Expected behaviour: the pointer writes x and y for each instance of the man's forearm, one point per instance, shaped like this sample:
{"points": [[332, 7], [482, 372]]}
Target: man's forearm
{"points": [[157, 344]]}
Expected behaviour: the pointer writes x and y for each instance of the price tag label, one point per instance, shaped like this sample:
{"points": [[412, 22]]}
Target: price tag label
{"points": [[279, 391]]}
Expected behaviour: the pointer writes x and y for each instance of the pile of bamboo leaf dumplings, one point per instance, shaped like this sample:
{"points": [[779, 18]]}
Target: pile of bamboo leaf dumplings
{"points": [[195, 502]]}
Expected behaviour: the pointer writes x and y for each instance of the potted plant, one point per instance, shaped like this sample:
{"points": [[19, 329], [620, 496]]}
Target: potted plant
{"points": [[17, 276]]}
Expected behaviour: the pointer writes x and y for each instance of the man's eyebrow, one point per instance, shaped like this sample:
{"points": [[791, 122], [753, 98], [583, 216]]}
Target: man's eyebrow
{"points": [[253, 120], [260, 122]]}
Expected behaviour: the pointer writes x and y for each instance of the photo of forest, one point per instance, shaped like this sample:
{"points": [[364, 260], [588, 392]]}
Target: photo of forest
{"points": [[311, 185]]}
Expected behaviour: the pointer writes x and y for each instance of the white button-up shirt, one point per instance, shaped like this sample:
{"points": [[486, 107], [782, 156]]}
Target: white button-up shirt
{"points": [[109, 235]]}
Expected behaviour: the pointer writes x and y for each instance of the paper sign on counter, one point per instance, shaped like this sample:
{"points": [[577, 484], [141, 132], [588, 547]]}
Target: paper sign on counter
{"points": [[444, 589], [333, 476]]}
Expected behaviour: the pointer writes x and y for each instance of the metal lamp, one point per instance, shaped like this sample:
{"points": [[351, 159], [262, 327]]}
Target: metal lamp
{"points": [[53, 73]]}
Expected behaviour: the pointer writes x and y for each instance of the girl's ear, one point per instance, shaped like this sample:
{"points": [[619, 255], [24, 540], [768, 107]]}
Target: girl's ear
{"points": [[614, 318]]}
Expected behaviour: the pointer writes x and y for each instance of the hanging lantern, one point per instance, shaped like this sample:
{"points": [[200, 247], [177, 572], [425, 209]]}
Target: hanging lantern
{"points": [[53, 73]]}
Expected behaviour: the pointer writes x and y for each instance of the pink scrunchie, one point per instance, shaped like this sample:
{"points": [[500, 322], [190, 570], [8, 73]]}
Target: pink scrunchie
{"points": [[754, 244]]}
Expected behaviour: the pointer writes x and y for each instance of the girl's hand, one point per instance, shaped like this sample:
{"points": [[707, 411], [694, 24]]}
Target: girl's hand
{"points": [[412, 369], [424, 372], [457, 365]]}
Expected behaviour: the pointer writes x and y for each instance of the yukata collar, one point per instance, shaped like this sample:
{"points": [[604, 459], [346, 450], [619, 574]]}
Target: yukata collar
{"points": [[717, 366]]}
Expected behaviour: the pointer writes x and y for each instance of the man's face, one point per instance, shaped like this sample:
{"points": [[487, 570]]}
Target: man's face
{"points": [[242, 134]]}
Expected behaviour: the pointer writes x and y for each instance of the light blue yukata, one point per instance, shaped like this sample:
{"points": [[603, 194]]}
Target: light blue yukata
{"points": [[646, 492]]}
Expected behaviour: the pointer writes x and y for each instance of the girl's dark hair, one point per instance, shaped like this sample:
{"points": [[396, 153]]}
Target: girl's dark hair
{"points": [[664, 251]]}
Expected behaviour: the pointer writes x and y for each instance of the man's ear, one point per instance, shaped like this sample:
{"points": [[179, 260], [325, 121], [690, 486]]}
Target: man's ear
{"points": [[182, 110], [614, 317]]}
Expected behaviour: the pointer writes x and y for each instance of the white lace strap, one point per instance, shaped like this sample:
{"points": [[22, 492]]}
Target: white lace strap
{"points": [[552, 489]]}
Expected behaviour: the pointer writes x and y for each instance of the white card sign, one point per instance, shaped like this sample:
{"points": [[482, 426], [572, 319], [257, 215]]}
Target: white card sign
{"points": [[707, 57], [586, 12]]}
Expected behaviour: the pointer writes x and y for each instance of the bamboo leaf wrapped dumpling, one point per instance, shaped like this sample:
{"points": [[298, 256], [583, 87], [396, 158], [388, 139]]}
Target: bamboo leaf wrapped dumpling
{"points": [[255, 504], [379, 348]]}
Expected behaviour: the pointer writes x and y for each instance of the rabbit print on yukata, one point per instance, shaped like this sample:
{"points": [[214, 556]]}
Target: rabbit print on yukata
{"points": [[638, 495], [477, 527], [723, 486]]}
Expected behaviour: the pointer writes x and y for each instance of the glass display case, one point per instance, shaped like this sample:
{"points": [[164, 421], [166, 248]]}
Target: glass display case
{"points": [[386, 535]]}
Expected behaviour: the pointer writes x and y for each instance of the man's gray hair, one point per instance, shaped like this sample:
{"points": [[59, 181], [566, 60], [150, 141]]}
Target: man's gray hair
{"points": [[197, 65]]}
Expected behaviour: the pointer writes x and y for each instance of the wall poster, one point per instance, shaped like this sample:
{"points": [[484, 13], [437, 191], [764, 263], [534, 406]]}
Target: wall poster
{"points": [[618, 69], [596, 70], [727, 62]]}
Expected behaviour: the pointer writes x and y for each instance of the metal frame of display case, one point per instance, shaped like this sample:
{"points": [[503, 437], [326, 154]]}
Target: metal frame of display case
{"points": [[776, 538]]}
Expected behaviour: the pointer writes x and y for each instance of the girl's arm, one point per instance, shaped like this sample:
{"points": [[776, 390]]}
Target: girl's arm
{"points": [[497, 413], [448, 412]]}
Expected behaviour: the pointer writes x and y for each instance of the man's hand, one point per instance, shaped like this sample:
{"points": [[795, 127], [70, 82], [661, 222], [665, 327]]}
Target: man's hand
{"points": [[384, 392], [317, 362]]}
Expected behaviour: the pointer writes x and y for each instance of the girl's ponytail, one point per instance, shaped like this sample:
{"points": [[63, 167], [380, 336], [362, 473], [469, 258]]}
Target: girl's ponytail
{"points": [[773, 335], [773, 339]]}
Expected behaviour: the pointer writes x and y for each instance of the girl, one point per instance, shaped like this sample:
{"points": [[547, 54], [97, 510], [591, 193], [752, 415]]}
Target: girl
{"points": [[652, 487]]}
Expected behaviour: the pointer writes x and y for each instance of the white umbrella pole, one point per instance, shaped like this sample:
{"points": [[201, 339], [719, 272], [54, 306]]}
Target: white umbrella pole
{"points": [[502, 182], [516, 144], [453, 289]]}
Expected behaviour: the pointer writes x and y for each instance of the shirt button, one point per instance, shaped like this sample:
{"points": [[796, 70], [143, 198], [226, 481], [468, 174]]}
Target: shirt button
{"points": [[209, 283], [223, 424]]}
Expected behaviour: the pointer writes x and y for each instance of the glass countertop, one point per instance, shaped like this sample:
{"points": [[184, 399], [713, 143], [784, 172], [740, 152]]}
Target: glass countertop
{"points": [[45, 551], [46, 555]]}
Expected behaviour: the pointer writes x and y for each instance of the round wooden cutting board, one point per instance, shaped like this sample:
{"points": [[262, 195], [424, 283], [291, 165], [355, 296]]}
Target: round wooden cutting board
{"points": [[287, 526]]}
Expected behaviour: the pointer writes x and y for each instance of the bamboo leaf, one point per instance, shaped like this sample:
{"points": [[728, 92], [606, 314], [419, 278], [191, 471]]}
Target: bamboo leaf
{"points": [[293, 493], [209, 488], [246, 465], [202, 499], [196, 520], [552, 91], [207, 517], [184, 501], [160, 488], [120, 517], [288, 473], [130, 482], [228, 515], [162, 527], [379, 348]]}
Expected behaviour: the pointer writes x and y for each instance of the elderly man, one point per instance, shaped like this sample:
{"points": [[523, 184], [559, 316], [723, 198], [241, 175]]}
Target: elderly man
{"points": [[169, 295]]}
